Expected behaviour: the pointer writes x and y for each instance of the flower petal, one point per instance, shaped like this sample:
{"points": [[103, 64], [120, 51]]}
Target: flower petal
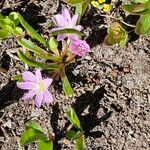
{"points": [[61, 37], [74, 20], [47, 82], [28, 76], [26, 85], [78, 27], [29, 95], [47, 97], [66, 14], [59, 20], [38, 74], [38, 99]]}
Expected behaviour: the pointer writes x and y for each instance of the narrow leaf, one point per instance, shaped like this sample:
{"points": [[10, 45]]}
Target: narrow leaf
{"points": [[72, 135], [68, 31], [80, 143], [31, 135], [45, 145], [66, 84], [34, 125], [71, 114]]}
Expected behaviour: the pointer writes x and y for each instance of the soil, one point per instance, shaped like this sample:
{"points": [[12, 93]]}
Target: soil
{"points": [[111, 86]]}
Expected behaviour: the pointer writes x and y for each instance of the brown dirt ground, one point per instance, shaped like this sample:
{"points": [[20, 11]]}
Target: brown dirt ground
{"points": [[111, 87]]}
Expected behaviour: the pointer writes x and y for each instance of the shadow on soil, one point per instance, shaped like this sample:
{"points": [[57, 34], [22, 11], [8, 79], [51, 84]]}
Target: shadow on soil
{"points": [[9, 94], [88, 121]]}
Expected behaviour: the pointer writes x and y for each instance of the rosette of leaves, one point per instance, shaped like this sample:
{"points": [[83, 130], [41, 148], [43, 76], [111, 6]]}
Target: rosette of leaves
{"points": [[142, 9], [33, 133], [46, 54], [76, 134], [116, 34]]}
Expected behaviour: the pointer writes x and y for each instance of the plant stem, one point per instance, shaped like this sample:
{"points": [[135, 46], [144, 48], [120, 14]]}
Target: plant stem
{"points": [[130, 25]]}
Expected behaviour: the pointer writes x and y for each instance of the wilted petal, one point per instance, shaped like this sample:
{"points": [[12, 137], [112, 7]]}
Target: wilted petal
{"points": [[28, 76], [47, 97], [29, 95], [66, 14], [47, 82], [26, 85], [38, 99], [38, 74]]}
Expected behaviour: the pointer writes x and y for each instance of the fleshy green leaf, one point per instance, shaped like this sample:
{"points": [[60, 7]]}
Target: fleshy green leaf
{"points": [[30, 62], [53, 44], [72, 135], [34, 125], [66, 84], [80, 143], [31, 135], [143, 25], [4, 34], [71, 114], [68, 31], [37, 50], [137, 9], [17, 78], [29, 29], [116, 34], [45, 145]]}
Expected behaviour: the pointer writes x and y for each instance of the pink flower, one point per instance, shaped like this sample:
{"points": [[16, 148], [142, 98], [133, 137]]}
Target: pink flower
{"points": [[36, 86], [79, 47], [65, 21]]}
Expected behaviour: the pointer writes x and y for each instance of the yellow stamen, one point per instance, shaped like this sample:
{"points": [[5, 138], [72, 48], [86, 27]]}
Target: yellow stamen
{"points": [[95, 3], [106, 7]]}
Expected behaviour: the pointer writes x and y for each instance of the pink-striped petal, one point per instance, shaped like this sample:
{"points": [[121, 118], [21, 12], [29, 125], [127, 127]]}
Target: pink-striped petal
{"points": [[29, 95], [47, 82], [59, 20], [47, 97], [26, 85], [74, 20], [28, 76], [38, 99], [66, 14], [78, 27], [38, 74]]}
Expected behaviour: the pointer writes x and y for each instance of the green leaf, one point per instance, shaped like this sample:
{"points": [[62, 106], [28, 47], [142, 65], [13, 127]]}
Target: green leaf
{"points": [[18, 31], [37, 50], [31, 135], [71, 114], [28, 61], [141, 1], [116, 34], [137, 9], [68, 31], [72, 135], [34, 125], [53, 44], [29, 29], [4, 34], [45, 145], [143, 25], [66, 84], [48, 66], [80, 143]]}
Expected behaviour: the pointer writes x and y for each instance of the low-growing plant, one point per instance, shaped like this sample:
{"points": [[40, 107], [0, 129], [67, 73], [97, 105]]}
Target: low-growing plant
{"points": [[78, 133], [33, 133], [46, 54]]}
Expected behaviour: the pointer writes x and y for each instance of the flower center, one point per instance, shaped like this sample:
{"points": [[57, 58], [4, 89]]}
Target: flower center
{"points": [[41, 86]]}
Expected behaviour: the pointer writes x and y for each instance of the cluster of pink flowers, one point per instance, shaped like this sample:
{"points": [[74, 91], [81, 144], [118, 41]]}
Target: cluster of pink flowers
{"points": [[65, 21], [34, 83]]}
